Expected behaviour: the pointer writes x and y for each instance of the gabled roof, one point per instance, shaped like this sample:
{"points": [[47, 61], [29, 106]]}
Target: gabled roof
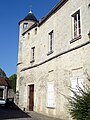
{"points": [[3, 82]]}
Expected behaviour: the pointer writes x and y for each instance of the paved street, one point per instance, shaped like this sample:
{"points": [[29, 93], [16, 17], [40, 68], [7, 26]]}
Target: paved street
{"points": [[17, 114]]}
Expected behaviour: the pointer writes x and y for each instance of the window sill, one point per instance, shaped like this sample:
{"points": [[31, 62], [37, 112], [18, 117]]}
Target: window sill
{"points": [[32, 61], [75, 39], [19, 63], [51, 107], [50, 52]]}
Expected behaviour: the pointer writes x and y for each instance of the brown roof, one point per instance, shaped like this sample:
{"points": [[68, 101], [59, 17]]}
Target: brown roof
{"points": [[3, 82]]}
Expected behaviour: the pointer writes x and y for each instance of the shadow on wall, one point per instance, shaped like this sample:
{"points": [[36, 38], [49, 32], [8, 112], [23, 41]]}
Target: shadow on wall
{"points": [[12, 112]]}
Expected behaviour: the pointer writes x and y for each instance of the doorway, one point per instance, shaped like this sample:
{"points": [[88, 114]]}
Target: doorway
{"points": [[31, 97]]}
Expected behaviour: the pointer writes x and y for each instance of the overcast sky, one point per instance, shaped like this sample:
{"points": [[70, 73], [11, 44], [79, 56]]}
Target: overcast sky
{"points": [[11, 12]]}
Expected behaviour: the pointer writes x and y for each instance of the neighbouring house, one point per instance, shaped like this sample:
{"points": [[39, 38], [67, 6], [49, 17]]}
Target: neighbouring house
{"points": [[11, 93], [3, 90], [53, 55], [6, 90]]}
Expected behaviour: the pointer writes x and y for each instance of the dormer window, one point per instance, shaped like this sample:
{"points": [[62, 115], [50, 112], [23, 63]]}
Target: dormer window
{"points": [[25, 25]]}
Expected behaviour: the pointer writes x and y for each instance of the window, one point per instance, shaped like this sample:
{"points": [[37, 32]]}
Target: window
{"points": [[35, 31], [28, 35], [51, 37], [89, 8], [50, 94], [25, 25], [76, 24], [1, 93], [75, 83], [33, 54]]}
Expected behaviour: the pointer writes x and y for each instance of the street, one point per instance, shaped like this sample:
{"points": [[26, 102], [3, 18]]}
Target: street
{"points": [[17, 114]]}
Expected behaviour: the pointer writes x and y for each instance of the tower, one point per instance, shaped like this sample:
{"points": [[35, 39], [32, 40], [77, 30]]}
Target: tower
{"points": [[24, 25], [27, 22]]}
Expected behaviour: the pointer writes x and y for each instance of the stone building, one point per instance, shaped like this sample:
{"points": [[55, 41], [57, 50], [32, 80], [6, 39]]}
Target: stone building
{"points": [[6, 90], [54, 54], [3, 90]]}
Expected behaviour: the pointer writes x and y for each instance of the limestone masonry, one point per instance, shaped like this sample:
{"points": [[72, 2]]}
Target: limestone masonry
{"points": [[53, 55]]}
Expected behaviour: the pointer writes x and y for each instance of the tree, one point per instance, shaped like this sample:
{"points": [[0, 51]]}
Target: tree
{"points": [[80, 104], [2, 73], [13, 81]]}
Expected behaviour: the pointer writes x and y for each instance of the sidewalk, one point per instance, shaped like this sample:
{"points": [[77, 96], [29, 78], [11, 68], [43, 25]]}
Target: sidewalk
{"points": [[17, 114], [37, 116]]}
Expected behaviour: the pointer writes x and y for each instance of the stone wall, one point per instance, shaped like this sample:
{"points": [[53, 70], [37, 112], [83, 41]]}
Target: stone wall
{"points": [[68, 60]]}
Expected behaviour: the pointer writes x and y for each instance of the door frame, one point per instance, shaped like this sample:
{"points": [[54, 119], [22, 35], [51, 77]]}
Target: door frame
{"points": [[28, 85]]}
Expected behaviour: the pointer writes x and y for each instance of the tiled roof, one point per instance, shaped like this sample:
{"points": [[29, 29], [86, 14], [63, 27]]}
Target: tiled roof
{"points": [[3, 82]]}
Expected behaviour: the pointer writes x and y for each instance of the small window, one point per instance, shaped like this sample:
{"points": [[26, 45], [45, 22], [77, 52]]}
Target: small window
{"points": [[76, 24], [50, 42], [28, 35], [89, 8], [35, 31], [32, 54], [25, 25], [1, 93]]}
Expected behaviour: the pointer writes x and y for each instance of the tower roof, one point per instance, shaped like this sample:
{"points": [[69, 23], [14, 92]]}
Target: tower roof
{"points": [[30, 16]]}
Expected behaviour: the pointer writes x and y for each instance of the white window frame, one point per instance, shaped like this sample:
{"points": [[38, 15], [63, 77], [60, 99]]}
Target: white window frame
{"points": [[25, 25], [50, 95], [76, 24]]}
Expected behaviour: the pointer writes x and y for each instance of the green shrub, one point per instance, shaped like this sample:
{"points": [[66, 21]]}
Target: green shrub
{"points": [[80, 104]]}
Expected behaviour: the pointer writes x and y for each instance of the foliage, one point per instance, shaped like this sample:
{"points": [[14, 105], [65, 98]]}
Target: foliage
{"points": [[13, 81], [80, 104], [12, 78], [2, 73]]}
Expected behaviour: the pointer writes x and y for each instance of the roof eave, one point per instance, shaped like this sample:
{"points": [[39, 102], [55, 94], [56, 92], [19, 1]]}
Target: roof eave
{"points": [[58, 6], [39, 23], [27, 20]]}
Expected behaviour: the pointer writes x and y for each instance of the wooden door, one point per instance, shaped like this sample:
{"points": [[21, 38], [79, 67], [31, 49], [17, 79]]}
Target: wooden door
{"points": [[31, 97]]}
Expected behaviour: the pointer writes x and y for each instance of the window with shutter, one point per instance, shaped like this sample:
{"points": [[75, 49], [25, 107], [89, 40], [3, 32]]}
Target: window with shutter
{"points": [[50, 94], [75, 83]]}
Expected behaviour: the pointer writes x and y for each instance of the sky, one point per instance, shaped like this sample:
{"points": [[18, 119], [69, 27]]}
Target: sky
{"points": [[11, 12]]}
